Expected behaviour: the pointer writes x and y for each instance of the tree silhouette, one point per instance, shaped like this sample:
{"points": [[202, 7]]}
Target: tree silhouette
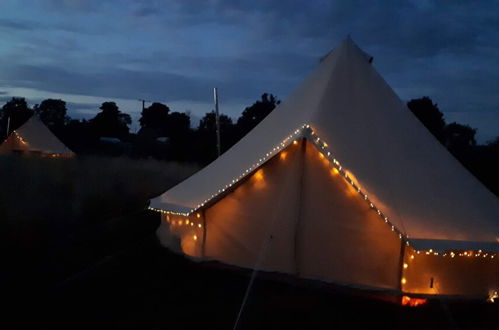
{"points": [[18, 111], [53, 112], [429, 114], [154, 120], [111, 122], [178, 125], [459, 136], [207, 138], [254, 114]]}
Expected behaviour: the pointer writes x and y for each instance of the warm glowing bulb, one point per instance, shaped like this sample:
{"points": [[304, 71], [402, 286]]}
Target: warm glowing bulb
{"points": [[199, 225], [195, 237], [283, 155], [412, 256], [186, 222], [258, 175], [335, 171], [198, 215], [403, 281], [405, 266], [295, 142]]}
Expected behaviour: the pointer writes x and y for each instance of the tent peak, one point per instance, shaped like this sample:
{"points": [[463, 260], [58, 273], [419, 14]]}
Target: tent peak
{"points": [[349, 46]]}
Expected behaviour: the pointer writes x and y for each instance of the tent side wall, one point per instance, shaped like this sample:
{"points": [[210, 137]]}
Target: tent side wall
{"points": [[472, 275], [344, 240], [294, 215], [12, 144]]}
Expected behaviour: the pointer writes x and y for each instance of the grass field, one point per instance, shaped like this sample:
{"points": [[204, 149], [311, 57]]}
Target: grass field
{"points": [[79, 252]]}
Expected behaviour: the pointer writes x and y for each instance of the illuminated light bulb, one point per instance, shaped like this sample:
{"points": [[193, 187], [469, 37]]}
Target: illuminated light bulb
{"points": [[405, 266], [195, 237], [186, 222], [335, 171], [412, 256], [283, 155], [295, 142], [321, 155], [326, 145], [192, 224], [199, 225], [198, 215], [180, 222], [403, 280]]}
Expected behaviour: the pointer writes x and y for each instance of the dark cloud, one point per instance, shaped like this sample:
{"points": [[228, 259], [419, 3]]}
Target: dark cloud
{"points": [[18, 25], [179, 50]]}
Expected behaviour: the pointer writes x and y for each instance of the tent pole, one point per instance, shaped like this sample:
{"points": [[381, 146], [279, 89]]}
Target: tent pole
{"points": [[300, 197], [203, 245], [401, 265]]}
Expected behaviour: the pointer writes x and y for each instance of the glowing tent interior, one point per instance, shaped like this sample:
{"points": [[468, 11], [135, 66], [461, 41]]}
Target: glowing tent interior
{"points": [[34, 138], [343, 184]]}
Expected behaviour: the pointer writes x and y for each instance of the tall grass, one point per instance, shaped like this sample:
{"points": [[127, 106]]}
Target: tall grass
{"points": [[50, 209]]}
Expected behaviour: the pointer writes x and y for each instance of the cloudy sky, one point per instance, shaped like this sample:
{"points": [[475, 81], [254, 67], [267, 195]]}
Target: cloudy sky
{"points": [[90, 51]]}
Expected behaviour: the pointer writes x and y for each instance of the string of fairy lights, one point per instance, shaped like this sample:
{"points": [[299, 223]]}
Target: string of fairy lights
{"points": [[20, 138], [305, 131]]}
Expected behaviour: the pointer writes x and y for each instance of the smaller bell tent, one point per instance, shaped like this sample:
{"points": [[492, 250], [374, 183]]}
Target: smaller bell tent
{"points": [[34, 138]]}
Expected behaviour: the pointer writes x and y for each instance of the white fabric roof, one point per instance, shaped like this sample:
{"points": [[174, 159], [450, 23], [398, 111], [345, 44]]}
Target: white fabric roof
{"points": [[409, 175], [38, 138]]}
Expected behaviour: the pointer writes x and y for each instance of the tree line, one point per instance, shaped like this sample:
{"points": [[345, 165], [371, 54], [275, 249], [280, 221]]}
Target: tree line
{"points": [[168, 135], [163, 134]]}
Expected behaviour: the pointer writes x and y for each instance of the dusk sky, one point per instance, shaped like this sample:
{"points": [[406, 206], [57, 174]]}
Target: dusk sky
{"points": [[175, 52]]}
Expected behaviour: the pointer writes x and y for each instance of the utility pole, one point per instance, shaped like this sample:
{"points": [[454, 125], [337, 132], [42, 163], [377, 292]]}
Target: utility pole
{"points": [[143, 107], [143, 103], [217, 121]]}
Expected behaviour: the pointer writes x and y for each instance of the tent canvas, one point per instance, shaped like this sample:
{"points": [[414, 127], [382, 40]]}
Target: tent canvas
{"points": [[34, 137], [438, 213]]}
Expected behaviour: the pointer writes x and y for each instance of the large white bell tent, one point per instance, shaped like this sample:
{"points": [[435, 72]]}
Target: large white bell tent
{"points": [[34, 138], [343, 184]]}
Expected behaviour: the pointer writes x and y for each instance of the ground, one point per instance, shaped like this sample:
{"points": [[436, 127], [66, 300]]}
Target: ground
{"points": [[111, 273]]}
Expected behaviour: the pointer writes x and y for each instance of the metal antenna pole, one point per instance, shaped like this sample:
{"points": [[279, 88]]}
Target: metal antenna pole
{"points": [[8, 126], [217, 121]]}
